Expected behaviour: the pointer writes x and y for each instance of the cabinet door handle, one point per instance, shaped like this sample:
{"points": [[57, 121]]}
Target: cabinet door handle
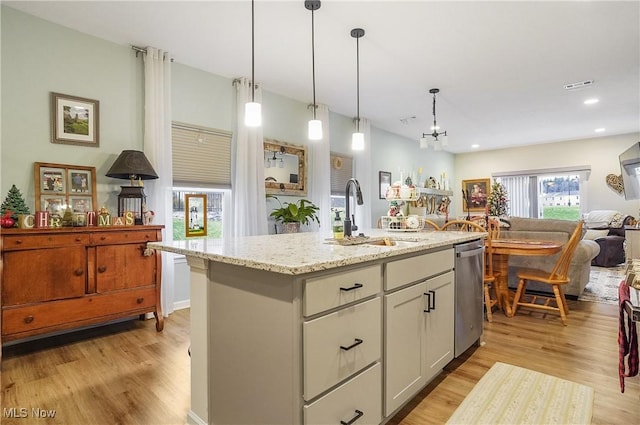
{"points": [[428, 310], [102, 269], [432, 307], [28, 319], [359, 413], [358, 341], [355, 286], [78, 272], [140, 300]]}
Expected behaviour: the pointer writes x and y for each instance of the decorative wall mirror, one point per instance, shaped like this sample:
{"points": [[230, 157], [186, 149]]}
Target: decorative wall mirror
{"points": [[285, 168]]}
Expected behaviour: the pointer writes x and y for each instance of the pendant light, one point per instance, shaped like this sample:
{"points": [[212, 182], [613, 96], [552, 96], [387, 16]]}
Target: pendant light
{"points": [[357, 139], [425, 142], [253, 110], [315, 125]]}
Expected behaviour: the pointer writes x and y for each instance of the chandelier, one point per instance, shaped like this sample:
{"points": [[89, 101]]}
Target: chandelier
{"points": [[438, 138]]}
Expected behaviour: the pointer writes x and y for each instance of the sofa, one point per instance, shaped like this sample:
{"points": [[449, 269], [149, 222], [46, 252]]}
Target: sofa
{"points": [[550, 230], [606, 228]]}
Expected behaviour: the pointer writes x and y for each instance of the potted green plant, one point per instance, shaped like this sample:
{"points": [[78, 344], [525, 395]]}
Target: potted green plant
{"points": [[291, 215]]}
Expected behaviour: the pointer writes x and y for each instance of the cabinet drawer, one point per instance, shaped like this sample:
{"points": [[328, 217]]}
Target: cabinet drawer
{"points": [[340, 344], [360, 397], [15, 242], [414, 269], [54, 313], [127, 236], [327, 292]]}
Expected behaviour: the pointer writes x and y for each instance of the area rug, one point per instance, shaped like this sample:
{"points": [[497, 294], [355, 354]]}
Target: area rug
{"points": [[603, 284], [509, 394]]}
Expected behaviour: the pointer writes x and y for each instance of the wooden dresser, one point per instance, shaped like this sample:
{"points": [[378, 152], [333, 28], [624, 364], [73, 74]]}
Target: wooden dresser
{"points": [[56, 279]]}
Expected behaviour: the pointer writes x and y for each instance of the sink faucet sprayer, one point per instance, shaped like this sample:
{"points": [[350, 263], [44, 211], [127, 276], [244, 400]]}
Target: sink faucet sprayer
{"points": [[348, 227]]}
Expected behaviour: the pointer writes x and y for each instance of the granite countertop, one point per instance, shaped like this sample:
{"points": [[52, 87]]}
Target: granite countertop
{"points": [[307, 252]]}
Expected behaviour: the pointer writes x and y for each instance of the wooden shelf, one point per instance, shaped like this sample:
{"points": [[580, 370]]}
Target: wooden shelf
{"points": [[429, 191]]}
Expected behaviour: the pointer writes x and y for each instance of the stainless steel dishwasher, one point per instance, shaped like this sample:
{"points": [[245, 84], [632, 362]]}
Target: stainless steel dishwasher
{"points": [[469, 275]]}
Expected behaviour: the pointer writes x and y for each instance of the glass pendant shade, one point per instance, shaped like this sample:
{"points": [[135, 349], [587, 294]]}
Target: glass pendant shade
{"points": [[252, 114], [444, 140], [357, 141], [315, 130], [424, 143]]}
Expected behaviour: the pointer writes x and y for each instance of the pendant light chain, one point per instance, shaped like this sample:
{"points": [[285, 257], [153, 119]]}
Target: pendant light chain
{"points": [[358, 84]]}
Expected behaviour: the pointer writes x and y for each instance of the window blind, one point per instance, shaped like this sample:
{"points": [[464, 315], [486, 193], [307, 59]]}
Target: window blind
{"points": [[341, 172], [201, 156]]}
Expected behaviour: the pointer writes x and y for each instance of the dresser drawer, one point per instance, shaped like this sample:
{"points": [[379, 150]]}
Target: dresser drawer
{"points": [[359, 397], [327, 292], [50, 240], [414, 269], [17, 320], [128, 236], [340, 344]]}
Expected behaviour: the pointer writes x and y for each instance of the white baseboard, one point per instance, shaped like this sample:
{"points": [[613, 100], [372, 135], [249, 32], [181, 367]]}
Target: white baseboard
{"points": [[180, 305]]}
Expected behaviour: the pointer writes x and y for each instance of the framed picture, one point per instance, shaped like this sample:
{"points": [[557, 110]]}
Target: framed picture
{"points": [[55, 205], [384, 180], [195, 215], [59, 186], [74, 120], [476, 193]]}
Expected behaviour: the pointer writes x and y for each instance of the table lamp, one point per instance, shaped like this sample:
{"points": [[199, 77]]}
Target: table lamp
{"points": [[132, 165]]}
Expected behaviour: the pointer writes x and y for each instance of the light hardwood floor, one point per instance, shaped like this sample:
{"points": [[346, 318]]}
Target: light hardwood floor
{"points": [[128, 374]]}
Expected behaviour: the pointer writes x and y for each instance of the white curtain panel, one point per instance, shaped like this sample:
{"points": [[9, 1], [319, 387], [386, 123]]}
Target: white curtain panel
{"points": [[320, 187], [249, 211], [157, 148], [362, 161], [518, 188]]}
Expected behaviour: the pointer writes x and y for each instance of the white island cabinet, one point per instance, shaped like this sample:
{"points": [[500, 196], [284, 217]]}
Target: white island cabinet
{"points": [[290, 329]]}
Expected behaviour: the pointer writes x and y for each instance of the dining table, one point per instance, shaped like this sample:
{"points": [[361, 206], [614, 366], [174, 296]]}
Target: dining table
{"points": [[502, 249]]}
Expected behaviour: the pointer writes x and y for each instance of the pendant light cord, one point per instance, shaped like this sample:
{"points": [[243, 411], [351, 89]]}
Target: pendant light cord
{"points": [[253, 83], [313, 63], [435, 126], [358, 84]]}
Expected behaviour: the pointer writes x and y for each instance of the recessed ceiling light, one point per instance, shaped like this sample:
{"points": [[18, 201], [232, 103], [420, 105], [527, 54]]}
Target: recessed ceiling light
{"points": [[591, 101], [600, 130], [475, 146]]}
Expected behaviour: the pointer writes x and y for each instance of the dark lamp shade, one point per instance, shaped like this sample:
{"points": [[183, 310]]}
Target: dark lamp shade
{"points": [[132, 165]]}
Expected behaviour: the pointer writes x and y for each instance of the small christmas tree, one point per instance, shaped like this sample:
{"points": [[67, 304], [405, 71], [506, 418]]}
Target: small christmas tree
{"points": [[14, 203], [497, 201]]}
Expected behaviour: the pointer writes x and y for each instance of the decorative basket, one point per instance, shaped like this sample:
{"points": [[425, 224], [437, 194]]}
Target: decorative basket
{"points": [[409, 223]]}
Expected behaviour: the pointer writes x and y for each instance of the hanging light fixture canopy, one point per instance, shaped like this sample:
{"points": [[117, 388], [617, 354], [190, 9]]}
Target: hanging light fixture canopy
{"points": [[253, 110], [440, 138], [357, 139], [315, 125]]}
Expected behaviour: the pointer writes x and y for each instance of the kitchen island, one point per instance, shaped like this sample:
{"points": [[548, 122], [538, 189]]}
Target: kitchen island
{"points": [[293, 329]]}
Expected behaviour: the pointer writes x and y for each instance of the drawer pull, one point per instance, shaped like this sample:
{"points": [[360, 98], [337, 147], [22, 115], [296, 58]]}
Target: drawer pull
{"points": [[428, 310], [102, 269], [78, 272], [359, 414], [102, 238], [140, 300], [28, 319], [19, 242], [355, 286], [358, 341], [78, 239]]}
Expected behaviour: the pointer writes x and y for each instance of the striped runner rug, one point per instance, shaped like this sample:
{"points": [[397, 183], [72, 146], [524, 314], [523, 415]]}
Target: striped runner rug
{"points": [[509, 394]]}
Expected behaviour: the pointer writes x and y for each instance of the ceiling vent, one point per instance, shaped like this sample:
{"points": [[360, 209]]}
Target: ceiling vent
{"points": [[579, 85]]}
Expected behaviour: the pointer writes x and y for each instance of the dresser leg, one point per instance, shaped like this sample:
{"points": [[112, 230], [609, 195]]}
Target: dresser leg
{"points": [[159, 320]]}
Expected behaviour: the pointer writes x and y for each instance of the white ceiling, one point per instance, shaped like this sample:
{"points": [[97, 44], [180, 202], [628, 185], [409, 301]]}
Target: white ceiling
{"points": [[500, 66]]}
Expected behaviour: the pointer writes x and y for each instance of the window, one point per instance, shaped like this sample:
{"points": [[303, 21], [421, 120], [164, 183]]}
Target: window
{"points": [[341, 172], [201, 165], [554, 193]]}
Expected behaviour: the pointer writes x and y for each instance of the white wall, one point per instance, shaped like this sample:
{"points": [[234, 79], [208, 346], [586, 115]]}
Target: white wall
{"points": [[600, 153]]}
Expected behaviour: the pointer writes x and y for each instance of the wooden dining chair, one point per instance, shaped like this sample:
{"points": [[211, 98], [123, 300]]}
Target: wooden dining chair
{"points": [[430, 225], [493, 232], [558, 277], [463, 226]]}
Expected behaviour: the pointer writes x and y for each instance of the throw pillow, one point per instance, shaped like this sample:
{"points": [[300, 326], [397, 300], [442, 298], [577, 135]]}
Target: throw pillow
{"points": [[593, 234], [602, 219]]}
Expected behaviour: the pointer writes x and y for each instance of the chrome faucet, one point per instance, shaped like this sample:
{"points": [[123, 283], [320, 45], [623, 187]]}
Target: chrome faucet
{"points": [[350, 220]]}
